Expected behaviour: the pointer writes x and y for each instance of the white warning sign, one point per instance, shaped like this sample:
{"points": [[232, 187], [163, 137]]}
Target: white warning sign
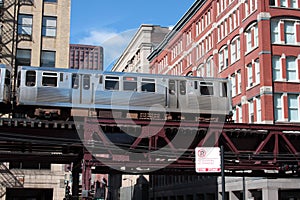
{"points": [[208, 159]]}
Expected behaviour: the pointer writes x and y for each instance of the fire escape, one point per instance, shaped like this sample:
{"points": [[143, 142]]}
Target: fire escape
{"points": [[9, 39], [9, 179], [9, 10]]}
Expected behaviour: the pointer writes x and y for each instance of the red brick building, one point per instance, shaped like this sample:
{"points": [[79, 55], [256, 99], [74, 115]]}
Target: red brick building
{"points": [[255, 43]]}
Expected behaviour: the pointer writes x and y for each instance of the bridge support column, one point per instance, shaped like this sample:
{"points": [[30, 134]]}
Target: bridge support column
{"points": [[75, 175], [86, 175]]}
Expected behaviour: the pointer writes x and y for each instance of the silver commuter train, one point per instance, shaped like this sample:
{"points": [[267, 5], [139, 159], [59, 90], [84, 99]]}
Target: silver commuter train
{"points": [[137, 94], [5, 87]]}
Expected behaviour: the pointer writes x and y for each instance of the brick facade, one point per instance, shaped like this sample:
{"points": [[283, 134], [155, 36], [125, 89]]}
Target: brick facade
{"points": [[253, 43]]}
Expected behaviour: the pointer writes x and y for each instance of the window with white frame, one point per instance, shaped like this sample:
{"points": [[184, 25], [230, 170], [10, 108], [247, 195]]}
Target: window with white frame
{"points": [[235, 50], [276, 66], [293, 107], [258, 109], [25, 24], [291, 68], [294, 3], [49, 26], [240, 114], [223, 58], [284, 3], [188, 37], [278, 107], [200, 70], [257, 71], [233, 84], [239, 81], [275, 33], [251, 37], [198, 28], [251, 111], [189, 59], [289, 32], [250, 7], [234, 114], [209, 67], [249, 75]]}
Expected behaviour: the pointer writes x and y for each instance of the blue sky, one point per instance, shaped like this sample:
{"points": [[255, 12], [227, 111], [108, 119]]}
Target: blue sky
{"points": [[111, 24]]}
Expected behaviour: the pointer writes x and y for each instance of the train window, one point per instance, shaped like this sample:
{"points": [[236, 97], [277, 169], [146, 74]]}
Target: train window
{"points": [[130, 83], [7, 77], [172, 87], [49, 79], [30, 78], [75, 81], [223, 91], [206, 88], [111, 83], [196, 85], [61, 77], [182, 87], [19, 79], [86, 82], [148, 85]]}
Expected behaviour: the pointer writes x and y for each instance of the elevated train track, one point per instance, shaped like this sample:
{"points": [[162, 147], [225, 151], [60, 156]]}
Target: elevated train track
{"points": [[128, 144]]}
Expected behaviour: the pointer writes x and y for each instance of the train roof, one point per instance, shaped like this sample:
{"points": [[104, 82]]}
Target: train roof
{"points": [[86, 71], [4, 66]]}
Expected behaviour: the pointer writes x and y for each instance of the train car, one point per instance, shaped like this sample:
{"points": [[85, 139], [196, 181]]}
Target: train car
{"points": [[5, 88], [134, 95]]}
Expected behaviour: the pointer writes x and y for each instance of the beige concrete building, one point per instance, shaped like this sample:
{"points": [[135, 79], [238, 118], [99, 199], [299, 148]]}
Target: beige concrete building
{"points": [[134, 57], [35, 33]]}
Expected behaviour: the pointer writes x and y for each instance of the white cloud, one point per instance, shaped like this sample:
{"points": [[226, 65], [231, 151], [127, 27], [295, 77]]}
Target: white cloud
{"points": [[113, 43]]}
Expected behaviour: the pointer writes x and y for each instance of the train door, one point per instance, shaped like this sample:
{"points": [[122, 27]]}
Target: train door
{"points": [[177, 94], [82, 89]]}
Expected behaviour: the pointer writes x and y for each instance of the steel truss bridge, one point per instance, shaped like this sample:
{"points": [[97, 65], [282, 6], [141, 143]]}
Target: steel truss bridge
{"points": [[149, 146]]}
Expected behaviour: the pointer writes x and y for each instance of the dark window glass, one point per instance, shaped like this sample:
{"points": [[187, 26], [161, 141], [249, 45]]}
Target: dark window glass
{"points": [[148, 87], [7, 78], [224, 89], [75, 81], [112, 83], [196, 85], [61, 77], [86, 82], [172, 87], [182, 86], [30, 78], [23, 57], [272, 2], [51, 1], [49, 79], [206, 88], [48, 59], [19, 79], [130, 83]]}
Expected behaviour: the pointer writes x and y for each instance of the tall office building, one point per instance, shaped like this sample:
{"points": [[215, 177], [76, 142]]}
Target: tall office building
{"points": [[36, 33], [86, 57], [255, 44]]}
